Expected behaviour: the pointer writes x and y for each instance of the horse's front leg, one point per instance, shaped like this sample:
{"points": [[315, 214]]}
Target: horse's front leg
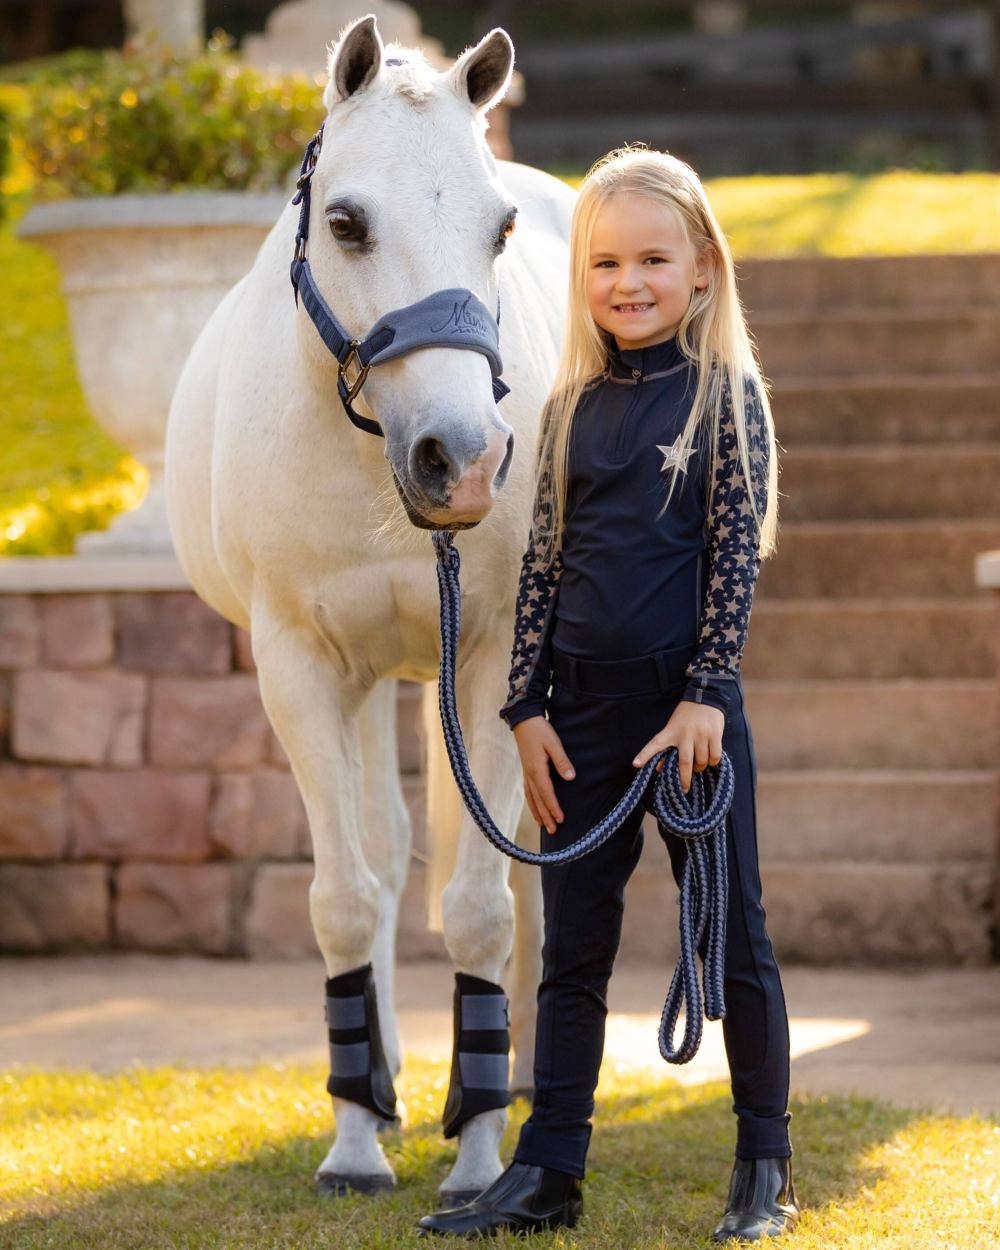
{"points": [[387, 844], [478, 926], [314, 709]]}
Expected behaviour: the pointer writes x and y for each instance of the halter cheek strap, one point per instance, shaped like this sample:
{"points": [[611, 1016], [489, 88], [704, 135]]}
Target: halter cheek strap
{"points": [[455, 317]]}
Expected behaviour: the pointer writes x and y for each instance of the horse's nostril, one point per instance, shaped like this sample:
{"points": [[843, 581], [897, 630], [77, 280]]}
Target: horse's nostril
{"points": [[431, 462]]}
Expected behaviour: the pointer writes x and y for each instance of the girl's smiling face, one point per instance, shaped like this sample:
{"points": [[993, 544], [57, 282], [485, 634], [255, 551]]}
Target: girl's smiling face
{"points": [[641, 270]]}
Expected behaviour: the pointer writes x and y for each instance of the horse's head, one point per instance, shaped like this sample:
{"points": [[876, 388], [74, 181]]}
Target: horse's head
{"points": [[405, 202]]}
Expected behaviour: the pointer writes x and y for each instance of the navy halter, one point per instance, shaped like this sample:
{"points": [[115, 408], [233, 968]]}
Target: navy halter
{"points": [[455, 317]]}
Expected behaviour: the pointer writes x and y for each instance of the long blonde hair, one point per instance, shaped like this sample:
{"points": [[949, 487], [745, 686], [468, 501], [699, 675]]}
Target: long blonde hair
{"points": [[713, 334]]}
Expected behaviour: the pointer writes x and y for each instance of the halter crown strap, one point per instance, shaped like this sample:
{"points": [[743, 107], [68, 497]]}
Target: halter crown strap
{"points": [[455, 317]]}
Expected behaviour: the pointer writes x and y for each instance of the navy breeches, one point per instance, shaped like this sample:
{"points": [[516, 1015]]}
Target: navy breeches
{"points": [[584, 903]]}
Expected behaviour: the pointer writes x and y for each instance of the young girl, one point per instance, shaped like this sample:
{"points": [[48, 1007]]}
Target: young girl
{"points": [[655, 499]]}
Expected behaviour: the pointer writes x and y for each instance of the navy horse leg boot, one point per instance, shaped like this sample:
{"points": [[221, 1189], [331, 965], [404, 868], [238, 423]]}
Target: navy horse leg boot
{"points": [[762, 1201], [359, 1070], [524, 1197]]}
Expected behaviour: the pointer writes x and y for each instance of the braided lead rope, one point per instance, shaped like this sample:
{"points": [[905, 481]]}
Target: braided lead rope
{"points": [[698, 817]]}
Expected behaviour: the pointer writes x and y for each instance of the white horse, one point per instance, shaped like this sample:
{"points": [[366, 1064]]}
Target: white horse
{"points": [[291, 523]]}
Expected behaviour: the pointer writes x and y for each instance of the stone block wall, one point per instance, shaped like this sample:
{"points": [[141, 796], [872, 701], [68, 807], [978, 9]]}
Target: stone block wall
{"points": [[145, 802]]}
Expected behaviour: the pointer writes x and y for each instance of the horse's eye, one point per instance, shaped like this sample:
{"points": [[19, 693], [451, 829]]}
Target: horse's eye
{"points": [[347, 228], [505, 233]]}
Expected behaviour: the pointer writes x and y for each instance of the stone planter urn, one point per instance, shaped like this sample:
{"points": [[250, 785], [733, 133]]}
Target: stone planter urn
{"points": [[141, 275]]}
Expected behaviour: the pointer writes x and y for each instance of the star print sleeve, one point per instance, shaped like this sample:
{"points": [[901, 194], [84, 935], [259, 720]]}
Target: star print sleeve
{"points": [[733, 559], [534, 619]]}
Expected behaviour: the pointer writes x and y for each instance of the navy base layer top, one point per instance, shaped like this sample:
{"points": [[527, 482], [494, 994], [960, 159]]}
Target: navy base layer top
{"points": [[628, 581]]}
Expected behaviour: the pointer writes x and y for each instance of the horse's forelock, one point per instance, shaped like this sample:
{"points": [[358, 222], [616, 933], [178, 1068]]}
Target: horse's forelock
{"points": [[414, 78]]}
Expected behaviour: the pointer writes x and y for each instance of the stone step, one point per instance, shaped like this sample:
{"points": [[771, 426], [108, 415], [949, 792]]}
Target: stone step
{"points": [[890, 816], [820, 283], [834, 912], [831, 638], [862, 341], [898, 869], [872, 559], [906, 914], [879, 723], [895, 408], [874, 815], [893, 815], [831, 911], [885, 483]]}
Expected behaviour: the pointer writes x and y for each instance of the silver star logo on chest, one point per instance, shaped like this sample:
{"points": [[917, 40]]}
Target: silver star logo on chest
{"points": [[673, 455]]}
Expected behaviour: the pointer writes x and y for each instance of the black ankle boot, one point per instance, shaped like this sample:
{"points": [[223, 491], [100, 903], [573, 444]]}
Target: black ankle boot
{"points": [[761, 1203], [524, 1197]]}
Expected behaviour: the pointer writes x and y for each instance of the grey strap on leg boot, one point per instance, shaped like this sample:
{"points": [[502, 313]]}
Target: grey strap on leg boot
{"points": [[480, 1061]]}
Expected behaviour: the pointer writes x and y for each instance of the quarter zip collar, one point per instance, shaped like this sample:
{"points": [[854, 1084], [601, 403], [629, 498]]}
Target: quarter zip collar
{"points": [[633, 364]]}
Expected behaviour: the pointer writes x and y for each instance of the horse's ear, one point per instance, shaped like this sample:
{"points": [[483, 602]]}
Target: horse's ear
{"points": [[482, 74], [354, 60]]}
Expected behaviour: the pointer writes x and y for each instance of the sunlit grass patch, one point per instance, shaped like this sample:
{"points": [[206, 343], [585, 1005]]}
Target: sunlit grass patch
{"points": [[900, 212], [59, 473], [175, 1157], [74, 1134]]}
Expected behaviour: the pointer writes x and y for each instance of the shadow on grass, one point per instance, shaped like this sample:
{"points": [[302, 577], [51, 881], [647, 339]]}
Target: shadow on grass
{"points": [[658, 1176]]}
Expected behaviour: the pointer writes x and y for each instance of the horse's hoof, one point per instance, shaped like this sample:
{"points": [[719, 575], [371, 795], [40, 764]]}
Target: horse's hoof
{"points": [[334, 1185], [524, 1091], [457, 1197]]}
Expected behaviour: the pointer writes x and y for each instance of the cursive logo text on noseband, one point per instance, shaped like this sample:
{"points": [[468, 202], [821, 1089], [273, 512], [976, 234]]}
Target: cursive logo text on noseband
{"points": [[461, 321]]}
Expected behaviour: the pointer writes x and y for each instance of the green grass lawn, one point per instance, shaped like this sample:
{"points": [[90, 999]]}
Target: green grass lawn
{"points": [[173, 1157], [59, 474]]}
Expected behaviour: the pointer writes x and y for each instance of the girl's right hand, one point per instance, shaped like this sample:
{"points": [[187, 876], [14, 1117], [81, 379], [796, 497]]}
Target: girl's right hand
{"points": [[537, 743]]}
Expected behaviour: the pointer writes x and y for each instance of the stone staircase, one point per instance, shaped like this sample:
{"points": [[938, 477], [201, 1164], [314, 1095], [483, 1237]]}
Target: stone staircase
{"points": [[870, 669]]}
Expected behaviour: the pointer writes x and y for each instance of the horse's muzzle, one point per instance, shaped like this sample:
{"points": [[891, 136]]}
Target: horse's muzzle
{"points": [[420, 520]]}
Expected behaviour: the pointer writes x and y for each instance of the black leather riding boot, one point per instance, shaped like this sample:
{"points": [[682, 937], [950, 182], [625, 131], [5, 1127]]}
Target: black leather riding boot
{"points": [[762, 1201], [524, 1197]]}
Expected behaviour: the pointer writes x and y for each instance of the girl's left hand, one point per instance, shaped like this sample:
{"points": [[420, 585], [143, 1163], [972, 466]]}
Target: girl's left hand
{"points": [[695, 729]]}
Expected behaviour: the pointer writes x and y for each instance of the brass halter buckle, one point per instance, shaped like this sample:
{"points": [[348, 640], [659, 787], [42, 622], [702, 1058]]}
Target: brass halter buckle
{"points": [[352, 361]]}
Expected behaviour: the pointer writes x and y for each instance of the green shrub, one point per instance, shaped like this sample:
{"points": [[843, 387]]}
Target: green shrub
{"points": [[150, 120], [53, 66]]}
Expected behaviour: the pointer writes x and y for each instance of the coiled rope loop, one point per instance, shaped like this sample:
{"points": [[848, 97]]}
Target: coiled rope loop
{"points": [[698, 816]]}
